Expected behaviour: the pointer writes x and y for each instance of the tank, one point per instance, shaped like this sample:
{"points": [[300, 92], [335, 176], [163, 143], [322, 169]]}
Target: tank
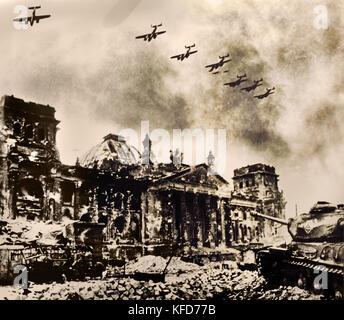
{"points": [[314, 259]]}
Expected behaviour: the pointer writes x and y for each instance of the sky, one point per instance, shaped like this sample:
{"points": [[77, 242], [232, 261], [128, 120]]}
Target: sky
{"points": [[86, 62]]}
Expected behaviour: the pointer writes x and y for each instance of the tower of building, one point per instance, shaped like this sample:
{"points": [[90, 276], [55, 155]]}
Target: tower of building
{"points": [[259, 182], [27, 150]]}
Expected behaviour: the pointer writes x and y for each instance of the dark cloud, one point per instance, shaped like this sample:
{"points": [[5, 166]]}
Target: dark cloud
{"points": [[132, 87]]}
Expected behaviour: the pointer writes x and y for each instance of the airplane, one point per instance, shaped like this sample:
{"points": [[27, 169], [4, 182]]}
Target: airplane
{"points": [[33, 18], [256, 84], [150, 36], [219, 64], [186, 55], [236, 82], [266, 94]]}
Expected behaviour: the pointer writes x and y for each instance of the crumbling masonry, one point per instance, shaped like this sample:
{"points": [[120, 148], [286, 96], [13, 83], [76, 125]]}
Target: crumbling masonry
{"points": [[145, 207]]}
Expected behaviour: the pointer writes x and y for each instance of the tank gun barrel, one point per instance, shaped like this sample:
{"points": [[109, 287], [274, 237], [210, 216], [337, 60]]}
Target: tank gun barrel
{"points": [[278, 220]]}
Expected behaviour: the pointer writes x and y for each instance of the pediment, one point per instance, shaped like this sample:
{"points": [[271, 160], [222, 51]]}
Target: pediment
{"points": [[199, 175]]}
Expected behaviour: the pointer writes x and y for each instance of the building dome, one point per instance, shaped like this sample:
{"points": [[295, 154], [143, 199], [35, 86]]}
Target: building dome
{"points": [[113, 150]]}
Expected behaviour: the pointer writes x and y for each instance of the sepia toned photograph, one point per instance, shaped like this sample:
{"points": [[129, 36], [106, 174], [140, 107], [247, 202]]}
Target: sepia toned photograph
{"points": [[171, 150]]}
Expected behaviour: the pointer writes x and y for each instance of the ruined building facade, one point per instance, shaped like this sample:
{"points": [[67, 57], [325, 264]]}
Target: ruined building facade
{"points": [[258, 184], [145, 206]]}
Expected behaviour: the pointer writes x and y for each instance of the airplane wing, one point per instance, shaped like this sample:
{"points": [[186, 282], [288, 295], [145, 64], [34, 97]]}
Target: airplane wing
{"points": [[21, 19], [212, 67], [178, 56], [160, 32], [42, 17], [144, 36]]}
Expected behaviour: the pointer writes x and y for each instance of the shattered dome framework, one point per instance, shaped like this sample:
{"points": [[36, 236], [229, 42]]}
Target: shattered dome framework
{"points": [[112, 149]]}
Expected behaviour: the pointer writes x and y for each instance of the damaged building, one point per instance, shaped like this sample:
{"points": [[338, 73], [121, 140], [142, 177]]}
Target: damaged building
{"points": [[144, 206]]}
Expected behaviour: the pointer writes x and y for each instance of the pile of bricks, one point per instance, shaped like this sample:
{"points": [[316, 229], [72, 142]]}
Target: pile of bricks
{"points": [[205, 283]]}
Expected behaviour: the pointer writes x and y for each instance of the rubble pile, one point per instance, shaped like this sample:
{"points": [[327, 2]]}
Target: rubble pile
{"points": [[22, 231], [157, 264], [204, 283]]}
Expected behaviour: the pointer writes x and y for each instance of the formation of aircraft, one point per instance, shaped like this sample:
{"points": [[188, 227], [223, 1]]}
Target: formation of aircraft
{"points": [[34, 18], [219, 64], [213, 68], [153, 35], [236, 83], [185, 55], [268, 92], [256, 84]]}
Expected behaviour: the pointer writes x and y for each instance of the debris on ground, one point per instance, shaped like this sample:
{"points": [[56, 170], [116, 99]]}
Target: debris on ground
{"points": [[203, 283]]}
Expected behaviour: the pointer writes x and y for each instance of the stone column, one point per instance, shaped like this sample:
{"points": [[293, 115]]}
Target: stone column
{"points": [[76, 202], [4, 192], [175, 231], [44, 200], [12, 192], [95, 202], [143, 220], [223, 222], [236, 231], [189, 220], [213, 226], [58, 200], [151, 204], [197, 221], [170, 219], [207, 231], [183, 222]]}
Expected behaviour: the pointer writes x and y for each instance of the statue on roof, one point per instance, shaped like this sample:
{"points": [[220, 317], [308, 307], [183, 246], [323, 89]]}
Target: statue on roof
{"points": [[177, 157], [210, 159], [211, 164], [147, 154]]}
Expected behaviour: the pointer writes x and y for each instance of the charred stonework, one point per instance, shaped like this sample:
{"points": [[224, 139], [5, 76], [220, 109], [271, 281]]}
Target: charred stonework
{"points": [[259, 183], [145, 207], [28, 154]]}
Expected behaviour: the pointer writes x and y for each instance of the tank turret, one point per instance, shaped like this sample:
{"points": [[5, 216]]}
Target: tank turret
{"points": [[324, 222]]}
